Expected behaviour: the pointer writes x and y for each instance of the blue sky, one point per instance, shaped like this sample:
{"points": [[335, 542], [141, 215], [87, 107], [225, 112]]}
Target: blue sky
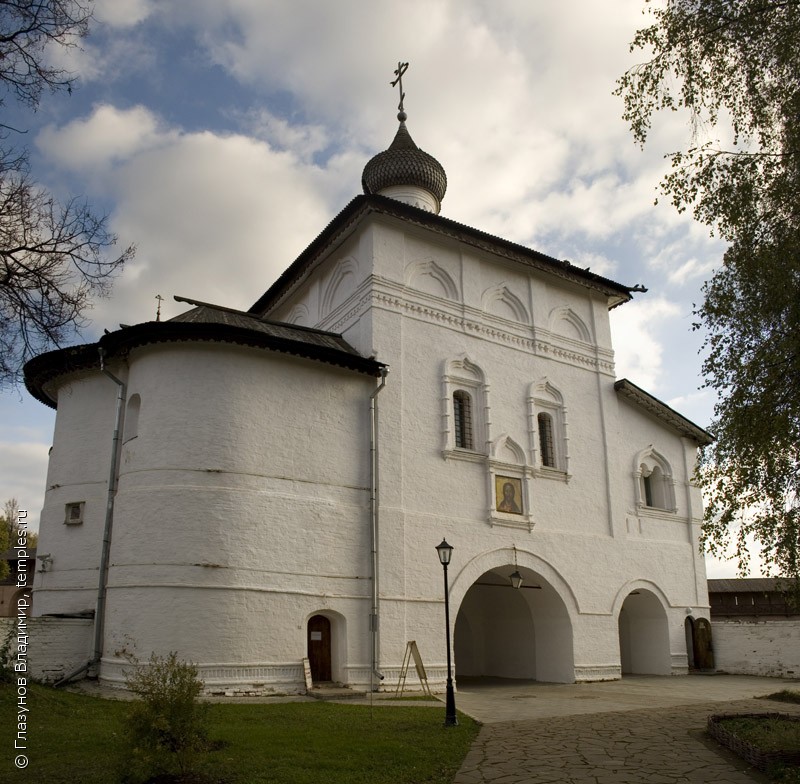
{"points": [[220, 137]]}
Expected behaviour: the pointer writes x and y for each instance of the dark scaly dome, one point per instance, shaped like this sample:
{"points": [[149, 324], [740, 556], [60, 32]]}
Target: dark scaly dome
{"points": [[404, 164]]}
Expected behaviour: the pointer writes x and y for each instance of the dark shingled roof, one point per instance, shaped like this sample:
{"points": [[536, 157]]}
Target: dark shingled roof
{"points": [[204, 323], [404, 164], [662, 411], [748, 585], [361, 206]]}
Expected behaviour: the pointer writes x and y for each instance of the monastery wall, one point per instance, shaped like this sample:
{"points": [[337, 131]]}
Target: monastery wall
{"points": [[757, 647]]}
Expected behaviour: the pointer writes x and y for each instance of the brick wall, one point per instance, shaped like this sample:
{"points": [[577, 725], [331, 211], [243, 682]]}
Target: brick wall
{"points": [[58, 646], [763, 647]]}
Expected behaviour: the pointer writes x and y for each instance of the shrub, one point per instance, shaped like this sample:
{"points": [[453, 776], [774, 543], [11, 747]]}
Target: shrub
{"points": [[167, 725]]}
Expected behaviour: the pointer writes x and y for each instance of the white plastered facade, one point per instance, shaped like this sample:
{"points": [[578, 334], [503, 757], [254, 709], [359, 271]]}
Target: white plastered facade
{"points": [[243, 504]]}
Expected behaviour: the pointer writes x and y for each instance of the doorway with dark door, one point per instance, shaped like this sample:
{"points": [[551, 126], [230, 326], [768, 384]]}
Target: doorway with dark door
{"points": [[319, 648]]}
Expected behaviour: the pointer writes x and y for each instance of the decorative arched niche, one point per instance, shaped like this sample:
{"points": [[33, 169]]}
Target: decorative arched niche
{"points": [[565, 322], [341, 284], [430, 278], [653, 480], [131, 425], [299, 315], [500, 301]]}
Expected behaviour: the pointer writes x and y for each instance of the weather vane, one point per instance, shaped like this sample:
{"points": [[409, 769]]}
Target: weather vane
{"points": [[401, 69], [158, 311]]}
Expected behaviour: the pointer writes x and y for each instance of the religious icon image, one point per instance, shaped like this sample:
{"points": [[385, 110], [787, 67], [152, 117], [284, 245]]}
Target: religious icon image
{"points": [[508, 494]]}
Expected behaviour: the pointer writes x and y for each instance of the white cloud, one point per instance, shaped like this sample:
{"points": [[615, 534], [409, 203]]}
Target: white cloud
{"points": [[638, 352], [122, 13], [302, 140], [107, 136], [214, 217]]}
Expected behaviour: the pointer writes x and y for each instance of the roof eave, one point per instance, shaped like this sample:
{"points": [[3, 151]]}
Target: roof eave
{"points": [[347, 220], [45, 368], [652, 405]]}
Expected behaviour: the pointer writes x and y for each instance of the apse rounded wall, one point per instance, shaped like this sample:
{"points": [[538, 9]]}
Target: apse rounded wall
{"points": [[77, 475], [231, 514]]}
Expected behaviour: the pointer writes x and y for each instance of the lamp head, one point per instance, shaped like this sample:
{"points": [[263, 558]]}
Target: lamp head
{"points": [[445, 551]]}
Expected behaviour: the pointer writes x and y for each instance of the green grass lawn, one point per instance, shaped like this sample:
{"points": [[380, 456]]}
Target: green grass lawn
{"points": [[773, 735], [77, 738]]}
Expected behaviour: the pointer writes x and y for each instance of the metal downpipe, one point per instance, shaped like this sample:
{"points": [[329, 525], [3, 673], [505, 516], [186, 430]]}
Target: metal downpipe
{"points": [[374, 456]]}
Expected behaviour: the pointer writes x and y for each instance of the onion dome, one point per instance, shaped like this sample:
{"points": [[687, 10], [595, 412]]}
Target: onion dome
{"points": [[406, 173]]}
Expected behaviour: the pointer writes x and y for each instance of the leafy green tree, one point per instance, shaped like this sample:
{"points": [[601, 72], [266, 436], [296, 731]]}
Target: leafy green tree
{"points": [[53, 256], [734, 67]]}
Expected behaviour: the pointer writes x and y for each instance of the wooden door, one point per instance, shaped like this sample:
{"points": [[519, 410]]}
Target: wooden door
{"points": [[703, 648], [319, 648]]}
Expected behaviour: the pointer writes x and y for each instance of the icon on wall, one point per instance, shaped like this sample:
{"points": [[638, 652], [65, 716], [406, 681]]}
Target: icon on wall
{"points": [[508, 494]]}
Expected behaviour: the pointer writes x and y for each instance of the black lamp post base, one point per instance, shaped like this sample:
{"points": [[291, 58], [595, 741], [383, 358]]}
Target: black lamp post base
{"points": [[450, 719]]}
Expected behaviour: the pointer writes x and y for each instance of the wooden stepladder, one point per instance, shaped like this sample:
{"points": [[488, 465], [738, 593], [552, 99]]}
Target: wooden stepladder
{"points": [[412, 652]]}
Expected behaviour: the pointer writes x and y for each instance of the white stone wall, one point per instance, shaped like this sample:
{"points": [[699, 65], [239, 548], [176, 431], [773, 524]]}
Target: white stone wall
{"points": [[433, 302], [757, 647]]}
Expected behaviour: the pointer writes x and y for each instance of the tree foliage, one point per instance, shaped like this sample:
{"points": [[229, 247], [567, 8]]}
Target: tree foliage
{"points": [[7, 526], [734, 66], [53, 256]]}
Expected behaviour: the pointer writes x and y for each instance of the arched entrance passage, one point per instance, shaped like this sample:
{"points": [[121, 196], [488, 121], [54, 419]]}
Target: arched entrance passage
{"points": [[505, 632], [644, 635]]}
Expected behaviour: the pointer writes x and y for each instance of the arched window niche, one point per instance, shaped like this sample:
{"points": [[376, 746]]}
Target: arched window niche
{"points": [[655, 487], [131, 427], [549, 441], [465, 415]]}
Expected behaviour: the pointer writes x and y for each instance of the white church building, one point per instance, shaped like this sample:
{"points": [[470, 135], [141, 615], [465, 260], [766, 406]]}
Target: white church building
{"points": [[254, 489]]}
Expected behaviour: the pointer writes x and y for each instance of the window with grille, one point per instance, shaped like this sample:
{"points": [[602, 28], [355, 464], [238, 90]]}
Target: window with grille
{"points": [[545, 422], [462, 420]]}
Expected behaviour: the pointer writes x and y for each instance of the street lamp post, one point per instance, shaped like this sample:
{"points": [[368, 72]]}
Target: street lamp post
{"points": [[445, 551]]}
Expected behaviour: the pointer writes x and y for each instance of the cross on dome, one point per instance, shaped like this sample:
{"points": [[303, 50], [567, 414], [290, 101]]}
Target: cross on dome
{"points": [[403, 171], [401, 69]]}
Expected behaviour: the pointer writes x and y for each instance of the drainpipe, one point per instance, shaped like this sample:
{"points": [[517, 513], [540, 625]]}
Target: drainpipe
{"points": [[373, 506], [99, 615]]}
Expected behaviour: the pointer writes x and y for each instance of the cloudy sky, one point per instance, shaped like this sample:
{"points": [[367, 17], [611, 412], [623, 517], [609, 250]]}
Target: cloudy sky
{"points": [[220, 136]]}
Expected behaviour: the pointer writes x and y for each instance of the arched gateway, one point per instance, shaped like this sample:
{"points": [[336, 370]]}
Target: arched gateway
{"points": [[644, 634], [507, 632]]}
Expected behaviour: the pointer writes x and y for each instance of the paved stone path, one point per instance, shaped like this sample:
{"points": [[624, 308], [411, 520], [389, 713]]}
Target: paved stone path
{"points": [[661, 745]]}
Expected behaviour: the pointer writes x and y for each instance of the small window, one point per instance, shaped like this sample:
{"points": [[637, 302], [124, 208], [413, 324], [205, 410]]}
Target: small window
{"points": [[73, 513], [545, 422], [654, 488], [462, 420]]}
